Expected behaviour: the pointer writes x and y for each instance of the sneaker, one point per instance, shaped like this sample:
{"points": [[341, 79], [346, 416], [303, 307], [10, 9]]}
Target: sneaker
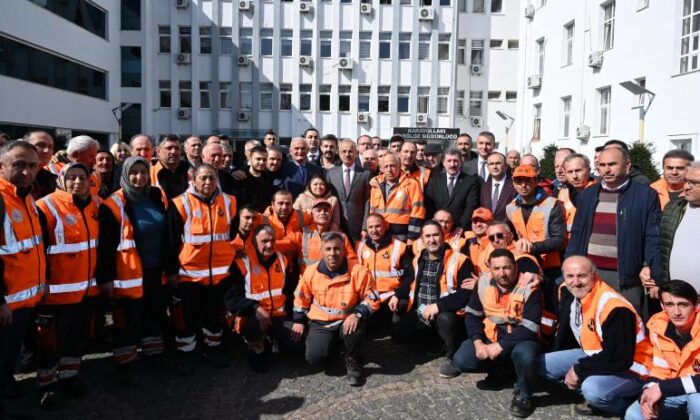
{"points": [[449, 369], [354, 375], [126, 375], [258, 362], [185, 363], [74, 387], [216, 358], [521, 406], [50, 400], [584, 409]]}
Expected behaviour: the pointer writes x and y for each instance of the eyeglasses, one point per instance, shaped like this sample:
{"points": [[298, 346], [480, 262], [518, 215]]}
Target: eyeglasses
{"points": [[495, 236]]}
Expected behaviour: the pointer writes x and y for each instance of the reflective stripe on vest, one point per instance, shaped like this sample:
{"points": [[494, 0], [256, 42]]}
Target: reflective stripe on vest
{"points": [[545, 208], [124, 244], [394, 272], [263, 295], [188, 238], [451, 272], [332, 311], [71, 287], [215, 271], [128, 284], [24, 294], [599, 326], [61, 246]]}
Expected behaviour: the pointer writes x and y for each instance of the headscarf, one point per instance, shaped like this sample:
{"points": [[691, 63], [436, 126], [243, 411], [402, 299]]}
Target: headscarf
{"points": [[67, 167], [133, 194]]}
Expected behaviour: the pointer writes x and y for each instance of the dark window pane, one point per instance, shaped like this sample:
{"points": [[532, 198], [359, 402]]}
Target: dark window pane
{"points": [[131, 121], [82, 13], [324, 103], [344, 103], [266, 46], [131, 15], [165, 99], [131, 66]]}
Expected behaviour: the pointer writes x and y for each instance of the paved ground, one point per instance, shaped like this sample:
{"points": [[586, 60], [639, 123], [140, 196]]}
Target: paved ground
{"points": [[400, 384]]}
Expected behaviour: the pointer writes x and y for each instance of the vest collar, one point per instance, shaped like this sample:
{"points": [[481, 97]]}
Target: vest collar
{"points": [[540, 195], [383, 241], [343, 269]]}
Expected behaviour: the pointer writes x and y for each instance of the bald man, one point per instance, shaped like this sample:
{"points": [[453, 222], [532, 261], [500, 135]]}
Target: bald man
{"points": [[297, 172], [213, 154]]}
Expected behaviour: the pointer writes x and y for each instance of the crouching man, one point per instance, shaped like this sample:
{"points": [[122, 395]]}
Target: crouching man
{"points": [[336, 301]]}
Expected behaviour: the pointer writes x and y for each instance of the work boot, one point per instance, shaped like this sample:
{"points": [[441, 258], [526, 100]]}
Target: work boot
{"points": [[73, 387], [126, 375], [215, 357], [258, 362], [185, 363], [521, 406], [49, 399], [449, 369], [354, 372]]}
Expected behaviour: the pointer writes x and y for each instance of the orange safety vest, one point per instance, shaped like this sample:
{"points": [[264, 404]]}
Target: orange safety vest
{"points": [[449, 283], [455, 242], [263, 285], [405, 200], [332, 299], [537, 228], [661, 187], [308, 245], [207, 250], [668, 361], [72, 248], [477, 246], [422, 175], [384, 264], [569, 209], [595, 308], [22, 250], [297, 220]]}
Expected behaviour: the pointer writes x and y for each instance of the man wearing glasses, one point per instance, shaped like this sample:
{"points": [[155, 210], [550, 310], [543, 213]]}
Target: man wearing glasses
{"points": [[500, 237]]}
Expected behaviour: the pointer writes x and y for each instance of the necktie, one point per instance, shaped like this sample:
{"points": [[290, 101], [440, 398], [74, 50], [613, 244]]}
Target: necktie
{"points": [[451, 186], [494, 197], [346, 182], [302, 169], [482, 171]]}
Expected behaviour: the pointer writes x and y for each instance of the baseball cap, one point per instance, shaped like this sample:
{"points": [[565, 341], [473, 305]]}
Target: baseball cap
{"points": [[321, 201], [525, 171], [484, 214]]}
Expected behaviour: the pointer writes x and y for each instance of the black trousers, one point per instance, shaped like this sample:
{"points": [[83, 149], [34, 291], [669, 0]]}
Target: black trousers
{"points": [[280, 329], [154, 315], [322, 336], [11, 338], [408, 328], [197, 305]]}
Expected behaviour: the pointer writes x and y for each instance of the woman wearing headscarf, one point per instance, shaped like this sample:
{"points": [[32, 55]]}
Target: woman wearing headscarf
{"points": [[131, 257], [65, 316]]}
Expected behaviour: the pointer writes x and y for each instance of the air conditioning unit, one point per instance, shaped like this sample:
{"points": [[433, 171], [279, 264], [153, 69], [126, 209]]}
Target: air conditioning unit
{"points": [[345, 63], [476, 121], [421, 118], [365, 9], [595, 59], [529, 11], [243, 116], [363, 117], [426, 13], [305, 60], [583, 132], [183, 114], [182, 4], [244, 5], [243, 60], [182, 58], [304, 6], [476, 69], [534, 81]]}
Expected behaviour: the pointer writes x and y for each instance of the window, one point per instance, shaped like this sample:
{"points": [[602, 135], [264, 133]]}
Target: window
{"points": [[344, 98], [286, 42], [443, 95], [536, 121], [131, 120], [285, 96], [475, 103], [326, 49], [226, 43], [511, 96], [494, 95], [496, 44], [569, 43], [424, 46], [245, 98], [462, 51], [131, 66], [304, 97], [185, 93], [540, 56], [406, 2], [305, 41], [266, 42], [444, 46], [324, 97], [164, 93], [683, 144], [477, 56], [204, 95], [245, 41], [690, 36], [266, 96], [565, 116], [345, 44], [363, 98], [423, 100], [164, 38], [88, 16], [205, 39], [365, 44], [496, 6], [403, 99], [131, 13], [459, 103], [604, 95], [385, 45], [477, 6], [383, 98], [384, 1], [224, 98], [185, 39], [405, 46], [609, 25], [462, 6], [513, 44], [445, 2]]}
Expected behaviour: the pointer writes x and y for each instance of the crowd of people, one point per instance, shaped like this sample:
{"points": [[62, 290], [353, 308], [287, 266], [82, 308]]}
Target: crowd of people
{"points": [[586, 280]]}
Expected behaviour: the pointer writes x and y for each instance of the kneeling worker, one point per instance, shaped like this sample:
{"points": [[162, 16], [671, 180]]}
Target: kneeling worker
{"points": [[336, 301]]}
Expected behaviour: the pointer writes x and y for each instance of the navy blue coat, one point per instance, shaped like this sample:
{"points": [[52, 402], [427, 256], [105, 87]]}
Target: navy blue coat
{"points": [[638, 216], [292, 178]]}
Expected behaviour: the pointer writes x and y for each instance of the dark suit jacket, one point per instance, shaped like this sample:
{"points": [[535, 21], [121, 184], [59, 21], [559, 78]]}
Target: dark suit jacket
{"points": [[355, 206], [464, 199], [507, 194], [293, 180]]}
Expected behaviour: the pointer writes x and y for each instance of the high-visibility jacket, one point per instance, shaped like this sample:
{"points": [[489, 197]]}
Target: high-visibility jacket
{"points": [[420, 174], [308, 246], [476, 247], [595, 308], [384, 264], [72, 249], [661, 187], [569, 208], [537, 227], [54, 168], [95, 179], [264, 285], [323, 298], [403, 205], [297, 221], [668, 361], [455, 242], [129, 272], [207, 251], [21, 250], [448, 282]]}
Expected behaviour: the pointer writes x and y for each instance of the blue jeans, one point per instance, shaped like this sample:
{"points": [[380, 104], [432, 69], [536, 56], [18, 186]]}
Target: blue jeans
{"points": [[611, 394], [524, 355], [678, 407]]}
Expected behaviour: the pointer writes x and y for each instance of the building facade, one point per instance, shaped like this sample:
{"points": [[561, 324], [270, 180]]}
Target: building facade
{"points": [[593, 70]]}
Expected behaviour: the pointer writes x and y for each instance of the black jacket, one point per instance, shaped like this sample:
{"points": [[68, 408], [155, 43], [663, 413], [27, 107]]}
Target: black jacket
{"points": [[463, 201]]}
